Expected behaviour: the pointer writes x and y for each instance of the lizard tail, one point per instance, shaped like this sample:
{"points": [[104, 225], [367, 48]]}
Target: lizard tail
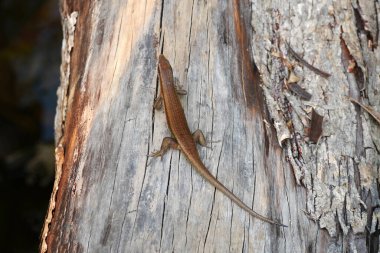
{"points": [[218, 185]]}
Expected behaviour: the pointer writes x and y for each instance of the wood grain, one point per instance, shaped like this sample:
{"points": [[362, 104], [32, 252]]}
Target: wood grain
{"points": [[112, 198]]}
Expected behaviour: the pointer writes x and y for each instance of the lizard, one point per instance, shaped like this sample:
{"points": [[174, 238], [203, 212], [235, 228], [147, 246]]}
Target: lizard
{"points": [[183, 139]]}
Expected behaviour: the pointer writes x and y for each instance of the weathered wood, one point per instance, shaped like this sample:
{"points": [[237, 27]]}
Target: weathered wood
{"points": [[109, 196]]}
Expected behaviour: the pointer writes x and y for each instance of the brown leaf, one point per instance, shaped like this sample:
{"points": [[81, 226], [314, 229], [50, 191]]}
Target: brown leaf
{"points": [[293, 78], [299, 91], [315, 126], [306, 64], [369, 109]]}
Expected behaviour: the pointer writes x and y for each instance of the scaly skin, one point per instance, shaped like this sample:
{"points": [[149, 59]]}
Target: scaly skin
{"points": [[177, 122]]}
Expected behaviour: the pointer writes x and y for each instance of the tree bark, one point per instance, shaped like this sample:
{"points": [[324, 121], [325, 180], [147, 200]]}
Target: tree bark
{"points": [[234, 60]]}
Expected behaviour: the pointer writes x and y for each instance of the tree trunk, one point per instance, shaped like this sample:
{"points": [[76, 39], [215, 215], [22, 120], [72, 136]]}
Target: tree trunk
{"points": [[257, 102]]}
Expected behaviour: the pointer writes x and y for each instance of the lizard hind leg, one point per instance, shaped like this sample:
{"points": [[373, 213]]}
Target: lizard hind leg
{"points": [[181, 92], [199, 138], [157, 103], [178, 88], [167, 143]]}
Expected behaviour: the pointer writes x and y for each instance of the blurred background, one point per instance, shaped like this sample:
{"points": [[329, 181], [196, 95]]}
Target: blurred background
{"points": [[30, 52]]}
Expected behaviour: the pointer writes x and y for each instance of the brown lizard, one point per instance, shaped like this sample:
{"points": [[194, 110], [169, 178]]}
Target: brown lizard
{"points": [[183, 139]]}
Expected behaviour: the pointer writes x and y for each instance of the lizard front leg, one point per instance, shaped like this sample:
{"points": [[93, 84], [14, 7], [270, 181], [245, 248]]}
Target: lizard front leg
{"points": [[158, 101], [167, 143]]}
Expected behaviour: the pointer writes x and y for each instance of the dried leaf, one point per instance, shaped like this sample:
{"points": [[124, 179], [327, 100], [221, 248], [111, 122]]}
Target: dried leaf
{"points": [[276, 54], [369, 109], [315, 126], [306, 64], [293, 78], [299, 91], [351, 66]]}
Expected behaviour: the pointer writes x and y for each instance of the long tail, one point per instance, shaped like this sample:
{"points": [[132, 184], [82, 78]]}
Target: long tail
{"points": [[203, 171]]}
